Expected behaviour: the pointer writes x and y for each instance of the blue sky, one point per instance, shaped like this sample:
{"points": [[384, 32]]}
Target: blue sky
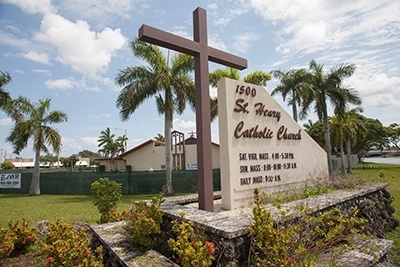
{"points": [[71, 51]]}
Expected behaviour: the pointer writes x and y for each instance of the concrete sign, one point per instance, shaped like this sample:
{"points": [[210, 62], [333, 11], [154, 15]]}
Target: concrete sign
{"points": [[261, 146]]}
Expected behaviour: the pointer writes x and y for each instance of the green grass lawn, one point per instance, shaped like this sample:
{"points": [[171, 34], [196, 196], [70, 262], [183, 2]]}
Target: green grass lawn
{"points": [[386, 173], [70, 208]]}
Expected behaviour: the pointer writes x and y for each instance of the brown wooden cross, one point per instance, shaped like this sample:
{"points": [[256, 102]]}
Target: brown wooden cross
{"points": [[202, 53]]}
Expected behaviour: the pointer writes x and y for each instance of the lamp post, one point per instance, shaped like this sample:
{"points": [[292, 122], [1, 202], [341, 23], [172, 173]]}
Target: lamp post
{"points": [[126, 136]]}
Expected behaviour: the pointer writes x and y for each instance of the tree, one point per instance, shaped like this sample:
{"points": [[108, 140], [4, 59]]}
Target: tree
{"points": [[159, 137], [293, 84], [370, 134], [35, 121], [325, 87], [90, 154], [110, 147], [351, 125], [393, 135], [168, 82], [257, 77], [7, 165], [5, 98], [48, 158], [316, 131]]}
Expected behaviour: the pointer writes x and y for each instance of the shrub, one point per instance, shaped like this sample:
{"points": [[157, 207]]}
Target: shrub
{"points": [[66, 246], [191, 245], [107, 194], [298, 239], [24, 235], [17, 238], [144, 222], [7, 165], [7, 240]]}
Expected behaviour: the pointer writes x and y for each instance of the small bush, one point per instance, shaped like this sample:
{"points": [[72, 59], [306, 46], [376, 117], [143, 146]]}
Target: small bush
{"points": [[7, 240], [298, 240], [24, 235], [17, 238], [66, 246], [107, 194], [191, 245], [144, 222]]}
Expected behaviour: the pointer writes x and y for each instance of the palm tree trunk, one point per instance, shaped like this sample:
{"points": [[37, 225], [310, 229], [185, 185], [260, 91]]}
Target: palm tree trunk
{"points": [[169, 190], [343, 169], [34, 189], [348, 152], [294, 109], [328, 146]]}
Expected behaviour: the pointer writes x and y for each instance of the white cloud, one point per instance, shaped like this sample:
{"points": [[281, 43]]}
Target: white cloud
{"points": [[243, 41], [32, 6], [86, 51], [90, 141], [376, 89], [37, 57], [41, 71], [184, 126], [70, 145], [60, 84], [313, 25], [100, 11], [6, 122], [381, 100], [103, 116]]}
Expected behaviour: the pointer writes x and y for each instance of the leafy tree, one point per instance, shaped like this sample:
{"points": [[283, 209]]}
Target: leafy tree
{"points": [[316, 131], [324, 87], [90, 154], [393, 135], [159, 137], [369, 136], [7, 165], [168, 82], [257, 77], [293, 84], [35, 121], [49, 158]]}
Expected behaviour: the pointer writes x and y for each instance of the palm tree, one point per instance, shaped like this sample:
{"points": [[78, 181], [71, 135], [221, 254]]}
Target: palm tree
{"points": [[5, 99], [257, 77], [106, 142], [159, 137], [35, 120], [352, 125], [170, 84], [111, 148], [292, 83], [325, 87]]}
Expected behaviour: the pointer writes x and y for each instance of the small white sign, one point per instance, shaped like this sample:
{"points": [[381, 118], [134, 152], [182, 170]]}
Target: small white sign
{"points": [[191, 166], [10, 180]]}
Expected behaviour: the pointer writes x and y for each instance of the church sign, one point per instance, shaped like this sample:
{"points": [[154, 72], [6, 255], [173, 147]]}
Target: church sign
{"points": [[261, 146]]}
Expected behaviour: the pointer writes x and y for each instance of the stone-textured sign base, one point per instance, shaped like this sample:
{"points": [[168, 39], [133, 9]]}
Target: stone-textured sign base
{"points": [[229, 229]]}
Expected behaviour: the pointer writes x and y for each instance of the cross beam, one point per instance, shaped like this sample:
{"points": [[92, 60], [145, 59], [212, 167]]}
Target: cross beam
{"points": [[202, 54]]}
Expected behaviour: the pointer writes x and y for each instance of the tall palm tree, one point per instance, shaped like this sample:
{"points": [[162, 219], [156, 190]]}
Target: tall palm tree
{"points": [[106, 142], [168, 82], [5, 99], [110, 147], [352, 125], [324, 87], [293, 84], [256, 77], [35, 121]]}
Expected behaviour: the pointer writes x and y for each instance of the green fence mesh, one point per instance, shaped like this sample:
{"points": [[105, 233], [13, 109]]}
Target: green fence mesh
{"points": [[79, 183]]}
